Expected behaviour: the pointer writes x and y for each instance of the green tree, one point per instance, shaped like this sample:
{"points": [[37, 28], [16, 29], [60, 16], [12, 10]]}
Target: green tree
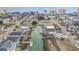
{"points": [[34, 23], [1, 22], [32, 13], [40, 18], [45, 11]]}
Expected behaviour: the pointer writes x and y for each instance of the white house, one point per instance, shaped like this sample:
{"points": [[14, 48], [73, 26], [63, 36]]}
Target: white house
{"points": [[24, 26], [50, 29]]}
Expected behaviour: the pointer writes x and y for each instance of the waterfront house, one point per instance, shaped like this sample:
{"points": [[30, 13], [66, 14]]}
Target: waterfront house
{"points": [[24, 25], [50, 28], [9, 44]]}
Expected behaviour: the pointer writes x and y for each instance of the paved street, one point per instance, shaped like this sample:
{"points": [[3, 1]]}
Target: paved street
{"points": [[11, 29]]}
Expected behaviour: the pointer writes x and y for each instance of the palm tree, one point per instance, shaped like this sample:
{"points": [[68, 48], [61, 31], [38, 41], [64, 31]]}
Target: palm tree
{"points": [[45, 12]]}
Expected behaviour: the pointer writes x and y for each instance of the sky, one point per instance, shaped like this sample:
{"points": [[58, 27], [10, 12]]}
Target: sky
{"points": [[40, 9]]}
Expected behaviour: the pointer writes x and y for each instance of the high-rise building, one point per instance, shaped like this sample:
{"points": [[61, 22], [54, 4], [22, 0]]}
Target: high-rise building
{"points": [[76, 12], [78, 9], [53, 12], [61, 11]]}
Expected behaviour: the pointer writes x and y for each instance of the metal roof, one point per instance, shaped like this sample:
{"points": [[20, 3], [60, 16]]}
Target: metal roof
{"points": [[3, 49], [7, 44], [24, 24], [16, 33], [50, 30], [13, 39]]}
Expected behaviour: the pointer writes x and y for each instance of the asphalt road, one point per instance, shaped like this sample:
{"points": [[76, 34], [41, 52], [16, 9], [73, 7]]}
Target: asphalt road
{"points": [[11, 29]]}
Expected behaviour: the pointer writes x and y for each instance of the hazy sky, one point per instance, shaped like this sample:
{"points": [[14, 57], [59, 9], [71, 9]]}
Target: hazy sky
{"points": [[40, 9]]}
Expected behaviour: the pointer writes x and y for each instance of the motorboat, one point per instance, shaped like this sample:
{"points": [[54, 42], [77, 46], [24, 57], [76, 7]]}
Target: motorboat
{"points": [[31, 43]]}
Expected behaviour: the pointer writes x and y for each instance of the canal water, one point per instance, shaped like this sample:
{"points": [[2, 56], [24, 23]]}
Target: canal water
{"points": [[36, 40]]}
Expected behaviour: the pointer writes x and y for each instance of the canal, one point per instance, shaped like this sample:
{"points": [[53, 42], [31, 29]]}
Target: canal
{"points": [[36, 39]]}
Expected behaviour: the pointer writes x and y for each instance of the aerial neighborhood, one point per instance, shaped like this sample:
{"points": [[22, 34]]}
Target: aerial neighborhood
{"points": [[50, 30]]}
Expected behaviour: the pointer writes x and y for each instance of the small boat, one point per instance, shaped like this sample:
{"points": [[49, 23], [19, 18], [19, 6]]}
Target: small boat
{"points": [[40, 31], [35, 31], [31, 43]]}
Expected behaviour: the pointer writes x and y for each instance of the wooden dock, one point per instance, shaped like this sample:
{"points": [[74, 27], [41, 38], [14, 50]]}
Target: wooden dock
{"points": [[24, 42]]}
